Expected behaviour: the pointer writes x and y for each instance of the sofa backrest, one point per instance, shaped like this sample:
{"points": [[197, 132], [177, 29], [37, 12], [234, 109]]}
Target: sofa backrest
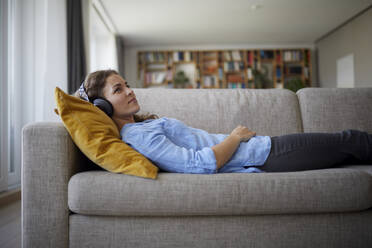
{"points": [[336, 109], [266, 111]]}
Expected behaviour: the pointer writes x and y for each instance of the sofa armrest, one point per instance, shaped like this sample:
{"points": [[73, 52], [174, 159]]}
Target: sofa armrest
{"points": [[49, 159]]}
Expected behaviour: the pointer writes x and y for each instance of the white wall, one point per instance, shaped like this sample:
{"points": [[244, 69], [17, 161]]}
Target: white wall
{"points": [[131, 56], [353, 38]]}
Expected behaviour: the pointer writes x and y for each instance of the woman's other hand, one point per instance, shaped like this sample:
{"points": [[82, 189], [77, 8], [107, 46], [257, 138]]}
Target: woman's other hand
{"points": [[243, 133]]}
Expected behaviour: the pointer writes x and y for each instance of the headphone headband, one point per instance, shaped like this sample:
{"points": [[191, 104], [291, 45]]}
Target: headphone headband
{"points": [[83, 94]]}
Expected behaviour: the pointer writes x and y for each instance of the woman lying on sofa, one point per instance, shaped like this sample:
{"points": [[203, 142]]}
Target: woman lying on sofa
{"points": [[175, 147]]}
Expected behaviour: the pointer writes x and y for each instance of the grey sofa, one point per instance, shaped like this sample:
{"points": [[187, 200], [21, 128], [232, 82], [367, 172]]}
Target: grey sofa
{"points": [[69, 202]]}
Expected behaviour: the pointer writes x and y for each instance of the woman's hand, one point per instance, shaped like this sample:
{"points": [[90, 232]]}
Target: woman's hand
{"points": [[224, 150], [243, 133]]}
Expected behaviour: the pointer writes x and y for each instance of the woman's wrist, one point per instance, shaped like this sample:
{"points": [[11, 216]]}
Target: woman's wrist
{"points": [[224, 150], [235, 137]]}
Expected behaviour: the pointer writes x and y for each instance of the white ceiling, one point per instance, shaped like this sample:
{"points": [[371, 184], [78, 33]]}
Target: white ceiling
{"points": [[195, 22]]}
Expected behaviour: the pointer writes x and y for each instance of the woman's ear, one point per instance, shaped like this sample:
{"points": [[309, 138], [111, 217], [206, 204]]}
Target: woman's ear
{"points": [[104, 105]]}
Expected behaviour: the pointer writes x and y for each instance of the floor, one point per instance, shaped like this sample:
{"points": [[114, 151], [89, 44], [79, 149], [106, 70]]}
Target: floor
{"points": [[10, 225]]}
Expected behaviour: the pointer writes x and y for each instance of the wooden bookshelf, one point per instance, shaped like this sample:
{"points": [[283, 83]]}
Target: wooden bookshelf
{"points": [[233, 71], [209, 65], [254, 68]]}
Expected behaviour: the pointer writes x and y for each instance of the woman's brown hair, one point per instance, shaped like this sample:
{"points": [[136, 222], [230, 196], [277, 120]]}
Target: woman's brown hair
{"points": [[94, 84]]}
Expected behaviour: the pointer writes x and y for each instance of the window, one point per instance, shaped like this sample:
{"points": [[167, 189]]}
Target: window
{"points": [[345, 72], [102, 45]]}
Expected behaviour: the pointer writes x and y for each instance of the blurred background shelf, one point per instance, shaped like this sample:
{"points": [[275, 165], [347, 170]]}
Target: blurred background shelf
{"points": [[257, 68]]}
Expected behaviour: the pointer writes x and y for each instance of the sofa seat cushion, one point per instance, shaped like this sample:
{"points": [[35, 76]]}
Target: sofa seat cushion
{"points": [[366, 168], [172, 194]]}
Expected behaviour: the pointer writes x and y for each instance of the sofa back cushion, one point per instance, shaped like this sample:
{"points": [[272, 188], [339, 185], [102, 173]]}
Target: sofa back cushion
{"points": [[265, 111], [336, 109]]}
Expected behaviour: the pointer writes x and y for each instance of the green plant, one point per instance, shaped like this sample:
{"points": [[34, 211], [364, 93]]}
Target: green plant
{"points": [[294, 84], [180, 80], [261, 80]]}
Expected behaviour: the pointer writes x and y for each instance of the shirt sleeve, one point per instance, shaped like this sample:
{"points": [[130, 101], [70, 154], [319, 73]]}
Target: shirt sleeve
{"points": [[171, 157]]}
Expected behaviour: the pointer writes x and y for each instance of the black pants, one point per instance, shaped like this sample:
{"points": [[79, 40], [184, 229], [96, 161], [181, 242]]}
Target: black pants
{"points": [[309, 151]]}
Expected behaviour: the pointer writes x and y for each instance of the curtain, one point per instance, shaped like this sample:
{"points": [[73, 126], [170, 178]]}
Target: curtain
{"points": [[76, 63], [120, 53], [37, 51]]}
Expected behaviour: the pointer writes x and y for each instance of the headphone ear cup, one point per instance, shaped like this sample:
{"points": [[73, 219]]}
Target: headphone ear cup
{"points": [[104, 105]]}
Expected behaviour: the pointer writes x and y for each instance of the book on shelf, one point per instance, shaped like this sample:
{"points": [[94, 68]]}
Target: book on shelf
{"points": [[210, 81], [226, 66], [236, 56], [175, 57], [149, 57], [182, 56], [210, 70], [155, 77], [234, 78], [256, 65], [249, 73], [169, 75], [233, 66], [154, 57], [227, 56], [156, 66], [210, 56], [294, 69], [220, 73], [210, 66], [278, 72], [307, 58], [241, 66], [287, 56], [188, 56], [278, 57], [250, 58], [266, 54], [197, 58], [197, 74], [231, 85], [292, 56], [159, 57], [210, 63]]}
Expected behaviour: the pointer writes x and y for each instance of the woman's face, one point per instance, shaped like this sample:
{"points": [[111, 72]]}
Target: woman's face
{"points": [[122, 98]]}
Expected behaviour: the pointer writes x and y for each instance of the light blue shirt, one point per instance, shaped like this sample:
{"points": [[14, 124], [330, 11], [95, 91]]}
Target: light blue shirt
{"points": [[175, 147]]}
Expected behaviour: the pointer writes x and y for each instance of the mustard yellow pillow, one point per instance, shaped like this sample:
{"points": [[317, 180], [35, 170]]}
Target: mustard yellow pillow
{"points": [[98, 137]]}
